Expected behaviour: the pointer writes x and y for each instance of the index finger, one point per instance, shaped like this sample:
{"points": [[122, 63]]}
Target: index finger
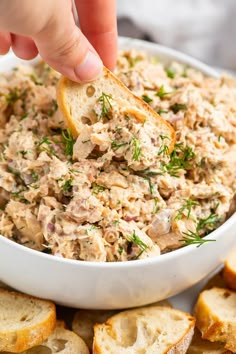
{"points": [[98, 23]]}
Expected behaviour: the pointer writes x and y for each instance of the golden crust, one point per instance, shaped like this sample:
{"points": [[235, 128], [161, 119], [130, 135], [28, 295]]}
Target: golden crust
{"points": [[229, 271], [179, 346], [20, 339], [65, 84]]}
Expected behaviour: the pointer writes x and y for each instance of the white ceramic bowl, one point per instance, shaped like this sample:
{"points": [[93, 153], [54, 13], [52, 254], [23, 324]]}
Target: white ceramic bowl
{"points": [[115, 285]]}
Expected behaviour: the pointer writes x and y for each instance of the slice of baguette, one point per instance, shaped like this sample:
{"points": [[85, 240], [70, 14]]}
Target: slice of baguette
{"points": [[153, 329], [203, 346], [25, 321], [85, 320], [215, 313], [77, 101], [61, 341], [229, 271]]}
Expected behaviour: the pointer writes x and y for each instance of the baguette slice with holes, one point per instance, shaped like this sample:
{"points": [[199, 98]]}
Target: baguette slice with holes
{"points": [[25, 321], [85, 320], [203, 346], [215, 313], [229, 272], [61, 341], [150, 330], [77, 101]]}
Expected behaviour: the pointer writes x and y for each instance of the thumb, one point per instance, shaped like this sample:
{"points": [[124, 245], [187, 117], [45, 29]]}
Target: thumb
{"points": [[63, 46]]}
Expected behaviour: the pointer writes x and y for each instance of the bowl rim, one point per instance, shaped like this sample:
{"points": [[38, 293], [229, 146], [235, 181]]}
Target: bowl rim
{"points": [[173, 55]]}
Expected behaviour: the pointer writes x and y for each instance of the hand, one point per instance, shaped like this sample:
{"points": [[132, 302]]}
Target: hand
{"points": [[48, 27]]}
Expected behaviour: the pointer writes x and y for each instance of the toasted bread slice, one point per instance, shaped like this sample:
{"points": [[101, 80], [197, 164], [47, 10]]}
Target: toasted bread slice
{"points": [[229, 271], [153, 329], [25, 321], [215, 313], [203, 346], [85, 320], [77, 102], [61, 341]]}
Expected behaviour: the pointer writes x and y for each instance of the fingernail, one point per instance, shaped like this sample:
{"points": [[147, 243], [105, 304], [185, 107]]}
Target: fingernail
{"points": [[90, 68]]}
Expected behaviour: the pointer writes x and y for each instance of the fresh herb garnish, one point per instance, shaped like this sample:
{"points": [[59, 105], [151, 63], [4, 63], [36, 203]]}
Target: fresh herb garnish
{"points": [[164, 149], [36, 80], [14, 95], [115, 145], [132, 61], [162, 93], [180, 159], [23, 153], [97, 188], [25, 115], [53, 109], [151, 186], [209, 223], [67, 186], [34, 175], [193, 238], [156, 208], [45, 140], [48, 149], [189, 204], [68, 141], [105, 100], [147, 99], [160, 111], [136, 240], [219, 137], [136, 148], [170, 73], [120, 250], [176, 107]]}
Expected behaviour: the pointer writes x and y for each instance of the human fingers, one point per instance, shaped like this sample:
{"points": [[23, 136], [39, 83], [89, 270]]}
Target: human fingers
{"points": [[5, 42], [98, 24], [23, 47]]}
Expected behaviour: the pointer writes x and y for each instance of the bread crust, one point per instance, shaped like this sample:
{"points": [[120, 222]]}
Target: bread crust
{"points": [[211, 325], [177, 347], [17, 340], [229, 271], [66, 86]]}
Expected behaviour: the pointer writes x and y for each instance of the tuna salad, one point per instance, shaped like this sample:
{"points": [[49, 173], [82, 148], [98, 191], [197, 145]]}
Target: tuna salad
{"points": [[117, 193]]}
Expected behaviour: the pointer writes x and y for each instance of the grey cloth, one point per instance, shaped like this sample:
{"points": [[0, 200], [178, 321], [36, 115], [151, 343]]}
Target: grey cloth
{"points": [[205, 29]]}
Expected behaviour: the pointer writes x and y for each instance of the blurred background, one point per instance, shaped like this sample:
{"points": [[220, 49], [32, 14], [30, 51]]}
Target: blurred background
{"points": [[205, 29]]}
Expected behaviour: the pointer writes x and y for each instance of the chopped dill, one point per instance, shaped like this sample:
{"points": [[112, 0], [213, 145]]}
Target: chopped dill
{"points": [[97, 188], [115, 145], [189, 204], [147, 99], [34, 175], [176, 107], [170, 73], [209, 223], [105, 100], [67, 186], [136, 240], [162, 93], [68, 141], [53, 109], [180, 158], [193, 238], [136, 148]]}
